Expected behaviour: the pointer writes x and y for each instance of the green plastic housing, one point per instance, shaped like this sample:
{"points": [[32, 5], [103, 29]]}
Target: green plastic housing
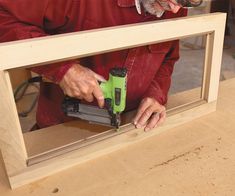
{"points": [[115, 89]]}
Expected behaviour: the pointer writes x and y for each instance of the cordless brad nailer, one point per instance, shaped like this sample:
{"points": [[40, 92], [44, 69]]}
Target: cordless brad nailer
{"points": [[114, 91]]}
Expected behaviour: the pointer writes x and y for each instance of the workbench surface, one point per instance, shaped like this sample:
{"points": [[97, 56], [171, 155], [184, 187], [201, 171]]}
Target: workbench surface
{"points": [[197, 158]]}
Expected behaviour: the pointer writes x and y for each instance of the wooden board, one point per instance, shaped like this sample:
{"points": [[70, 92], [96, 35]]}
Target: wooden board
{"points": [[195, 159], [11, 140], [53, 49], [64, 47]]}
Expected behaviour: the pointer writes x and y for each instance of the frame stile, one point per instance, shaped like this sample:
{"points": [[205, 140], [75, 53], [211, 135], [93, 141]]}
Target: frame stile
{"points": [[213, 60], [207, 65], [11, 140]]}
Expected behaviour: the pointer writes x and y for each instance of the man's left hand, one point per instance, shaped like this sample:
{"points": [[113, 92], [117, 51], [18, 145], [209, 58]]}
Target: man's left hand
{"points": [[149, 114]]}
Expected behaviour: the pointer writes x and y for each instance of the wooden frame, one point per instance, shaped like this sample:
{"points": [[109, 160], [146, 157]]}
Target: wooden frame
{"points": [[20, 167]]}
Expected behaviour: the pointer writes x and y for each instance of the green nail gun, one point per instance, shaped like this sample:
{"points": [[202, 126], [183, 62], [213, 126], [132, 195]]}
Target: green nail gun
{"points": [[114, 91]]}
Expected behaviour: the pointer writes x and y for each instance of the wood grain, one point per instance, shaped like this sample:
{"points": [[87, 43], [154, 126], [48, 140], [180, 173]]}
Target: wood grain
{"points": [[11, 139], [194, 159], [64, 47]]}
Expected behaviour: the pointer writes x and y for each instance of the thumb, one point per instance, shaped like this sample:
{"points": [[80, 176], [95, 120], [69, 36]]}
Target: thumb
{"points": [[99, 77]]}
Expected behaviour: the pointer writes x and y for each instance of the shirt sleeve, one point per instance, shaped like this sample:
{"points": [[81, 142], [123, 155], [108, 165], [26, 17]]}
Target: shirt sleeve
{"points": [[24, 19], [160, 85]]}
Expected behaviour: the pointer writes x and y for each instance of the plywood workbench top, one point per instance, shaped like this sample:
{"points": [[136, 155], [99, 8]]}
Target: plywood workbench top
{"points": [[197, 158]]}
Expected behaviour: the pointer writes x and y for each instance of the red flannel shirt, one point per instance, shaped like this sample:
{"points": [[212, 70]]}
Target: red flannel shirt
{"points": [[149, 67]]}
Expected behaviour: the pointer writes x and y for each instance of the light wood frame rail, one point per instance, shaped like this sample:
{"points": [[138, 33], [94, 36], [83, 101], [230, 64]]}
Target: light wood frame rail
{"points": [[22, 168]]}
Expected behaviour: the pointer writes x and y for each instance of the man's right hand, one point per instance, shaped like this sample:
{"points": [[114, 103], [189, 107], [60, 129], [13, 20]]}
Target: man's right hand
{"points": [[82, 83]]}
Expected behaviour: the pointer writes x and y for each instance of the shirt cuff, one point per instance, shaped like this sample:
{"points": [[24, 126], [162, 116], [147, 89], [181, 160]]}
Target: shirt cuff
{"points": [[156, 93], [54, 72]]}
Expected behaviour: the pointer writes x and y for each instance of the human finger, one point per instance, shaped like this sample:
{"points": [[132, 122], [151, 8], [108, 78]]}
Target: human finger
{"points": [[74, 91], [98, 94], [142, 107], [68, 92], [153, 121], [99, 77], [162, 118], [89, 98], [145, 117]]}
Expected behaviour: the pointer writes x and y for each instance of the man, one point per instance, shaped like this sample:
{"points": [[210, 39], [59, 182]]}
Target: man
{"points": [[149, 67]]}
